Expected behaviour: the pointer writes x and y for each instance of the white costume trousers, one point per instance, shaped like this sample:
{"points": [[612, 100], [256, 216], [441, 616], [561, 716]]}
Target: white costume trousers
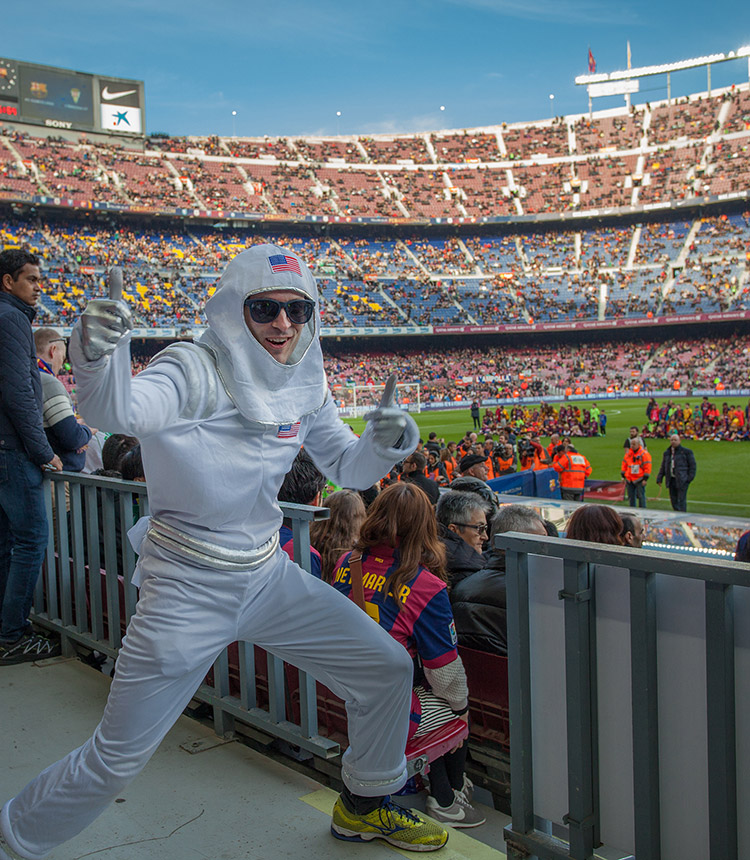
{"points": [[185, 617]]}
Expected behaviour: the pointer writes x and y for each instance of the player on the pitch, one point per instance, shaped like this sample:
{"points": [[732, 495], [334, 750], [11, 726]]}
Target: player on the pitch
{"points": [[210, 569]]}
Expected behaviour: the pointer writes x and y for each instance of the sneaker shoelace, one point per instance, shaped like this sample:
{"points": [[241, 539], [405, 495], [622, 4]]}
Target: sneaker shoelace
{"points": [[389, 810]]}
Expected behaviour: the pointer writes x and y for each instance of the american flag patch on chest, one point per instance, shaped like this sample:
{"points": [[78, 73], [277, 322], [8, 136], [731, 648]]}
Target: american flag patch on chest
{"points": [[288, 431]]}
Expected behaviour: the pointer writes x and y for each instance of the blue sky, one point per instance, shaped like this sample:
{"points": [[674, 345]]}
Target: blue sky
{"points": [[288, 66]]}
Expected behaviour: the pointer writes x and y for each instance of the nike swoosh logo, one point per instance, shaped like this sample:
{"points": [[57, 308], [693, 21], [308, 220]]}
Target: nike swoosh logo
{"points": [[108, 96]]}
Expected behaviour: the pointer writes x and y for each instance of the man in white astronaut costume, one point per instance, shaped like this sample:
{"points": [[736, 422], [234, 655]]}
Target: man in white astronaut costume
{"points": [[220, 423]]}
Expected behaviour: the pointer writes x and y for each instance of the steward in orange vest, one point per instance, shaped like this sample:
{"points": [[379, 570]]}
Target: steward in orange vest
{"points": [[636, 467], [574, 468]]}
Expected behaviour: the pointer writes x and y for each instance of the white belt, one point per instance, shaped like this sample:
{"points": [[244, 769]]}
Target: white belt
{"points": [[210, 554]]}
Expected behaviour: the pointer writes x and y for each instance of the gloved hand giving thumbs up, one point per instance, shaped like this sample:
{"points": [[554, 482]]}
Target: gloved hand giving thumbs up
{"points": [[105, 321], [393, 430]]}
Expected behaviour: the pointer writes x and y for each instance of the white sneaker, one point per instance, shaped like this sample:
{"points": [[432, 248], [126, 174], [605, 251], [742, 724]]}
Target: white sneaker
{"points": [[459, 814]]}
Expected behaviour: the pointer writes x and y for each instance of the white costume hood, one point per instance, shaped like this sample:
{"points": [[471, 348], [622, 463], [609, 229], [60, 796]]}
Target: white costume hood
{"points": [[262, 389]]}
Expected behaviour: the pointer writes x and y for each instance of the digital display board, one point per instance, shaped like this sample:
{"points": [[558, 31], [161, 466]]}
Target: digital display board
{"points": [[65, 99], [49, 94]]}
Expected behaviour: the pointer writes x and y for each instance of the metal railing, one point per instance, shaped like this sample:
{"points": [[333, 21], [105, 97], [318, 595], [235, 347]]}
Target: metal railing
{"points": [[85, 594], [578, 576]]}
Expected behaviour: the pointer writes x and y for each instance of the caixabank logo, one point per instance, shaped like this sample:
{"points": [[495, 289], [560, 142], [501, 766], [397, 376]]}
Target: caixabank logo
{"points": [[120, 106]]}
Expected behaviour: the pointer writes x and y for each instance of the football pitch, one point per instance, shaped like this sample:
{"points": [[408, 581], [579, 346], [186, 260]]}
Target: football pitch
{"points": [[722, 483]]}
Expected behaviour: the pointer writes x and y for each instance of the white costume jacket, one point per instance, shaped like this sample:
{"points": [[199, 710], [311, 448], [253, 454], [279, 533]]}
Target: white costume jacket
{"points": [[220, 423]]}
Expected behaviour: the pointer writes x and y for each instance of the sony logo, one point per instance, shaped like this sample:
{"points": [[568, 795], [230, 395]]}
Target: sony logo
{"points": [[57, 123]]}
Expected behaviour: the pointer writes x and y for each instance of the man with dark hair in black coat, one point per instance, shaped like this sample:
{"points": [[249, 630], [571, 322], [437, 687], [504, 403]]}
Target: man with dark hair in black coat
{"points": [[678, 468], [24, 453], [413, 471]]}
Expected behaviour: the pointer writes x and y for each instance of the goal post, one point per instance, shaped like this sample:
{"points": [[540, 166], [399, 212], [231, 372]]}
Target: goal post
{"points": [[357, 400]]}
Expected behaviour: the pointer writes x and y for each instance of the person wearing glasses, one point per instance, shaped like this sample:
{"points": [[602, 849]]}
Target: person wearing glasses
{"points": [[462, 524], [66, 435], [478, 600], [220, 422]]}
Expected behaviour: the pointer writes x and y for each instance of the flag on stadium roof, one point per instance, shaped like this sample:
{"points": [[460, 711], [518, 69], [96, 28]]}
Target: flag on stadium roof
{"points": [[592, 63]]}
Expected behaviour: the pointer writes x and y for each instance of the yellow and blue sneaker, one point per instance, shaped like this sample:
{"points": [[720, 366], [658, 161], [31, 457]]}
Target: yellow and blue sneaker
{"points": [[398, 826]]}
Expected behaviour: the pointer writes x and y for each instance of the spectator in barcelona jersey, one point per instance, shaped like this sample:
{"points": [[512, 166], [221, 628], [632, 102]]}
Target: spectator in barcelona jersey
{"points": [[404, 579], [24, 452], [636, 469], [678, 469]]}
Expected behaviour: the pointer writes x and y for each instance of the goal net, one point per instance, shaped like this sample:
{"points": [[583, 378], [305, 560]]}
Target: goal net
{"points": [[357, 400]]}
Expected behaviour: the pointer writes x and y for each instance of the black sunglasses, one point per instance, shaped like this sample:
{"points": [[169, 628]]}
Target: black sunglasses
{"points": [[262, 311]]}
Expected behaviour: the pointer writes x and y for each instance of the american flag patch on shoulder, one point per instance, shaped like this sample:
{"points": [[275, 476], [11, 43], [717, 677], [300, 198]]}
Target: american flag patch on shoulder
{"points": [[284, 263], [288, 431]]}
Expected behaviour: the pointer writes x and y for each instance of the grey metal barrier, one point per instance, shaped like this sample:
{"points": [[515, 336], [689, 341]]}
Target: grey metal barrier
{"points": [[85, 594], [663, 626]]}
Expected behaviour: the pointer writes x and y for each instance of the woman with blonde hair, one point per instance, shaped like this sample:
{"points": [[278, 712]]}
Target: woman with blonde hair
{"points": [[338, 534], [404, 581]]}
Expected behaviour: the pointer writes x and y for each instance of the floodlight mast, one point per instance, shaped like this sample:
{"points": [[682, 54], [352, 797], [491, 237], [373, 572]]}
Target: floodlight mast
{"points": [[626, 81]]}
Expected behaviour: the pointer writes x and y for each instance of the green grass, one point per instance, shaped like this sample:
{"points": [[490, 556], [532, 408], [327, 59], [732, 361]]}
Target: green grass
{"points": [[722, 483]]}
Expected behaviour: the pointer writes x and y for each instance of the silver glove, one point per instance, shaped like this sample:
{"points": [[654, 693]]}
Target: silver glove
{"points": [[388, 422], [105, 321]]}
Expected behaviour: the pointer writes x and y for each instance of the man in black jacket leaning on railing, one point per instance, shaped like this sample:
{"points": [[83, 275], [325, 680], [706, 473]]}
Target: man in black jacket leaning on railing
{"points": [[24, 453]]}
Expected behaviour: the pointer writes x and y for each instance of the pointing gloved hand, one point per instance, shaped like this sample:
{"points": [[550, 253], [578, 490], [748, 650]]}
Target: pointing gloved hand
{"points": [[392, 428], [105, 321]]}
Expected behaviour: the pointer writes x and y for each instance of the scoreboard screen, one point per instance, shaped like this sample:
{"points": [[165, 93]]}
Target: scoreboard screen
{"points": [[55, 95], [60, 98]]}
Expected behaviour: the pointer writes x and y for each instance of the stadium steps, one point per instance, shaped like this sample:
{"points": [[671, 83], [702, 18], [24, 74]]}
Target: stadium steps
{"points": [[112, 175], [430, 148], [23, 168], [362, 151], [180, 184], [469, 256], [412, 256], [389, 301], [571, 137], [633, 246]]}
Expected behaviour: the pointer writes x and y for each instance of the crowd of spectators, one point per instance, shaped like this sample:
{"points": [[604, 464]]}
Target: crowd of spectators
{"points": [[466, 374], [669, 268], [587, 162]]}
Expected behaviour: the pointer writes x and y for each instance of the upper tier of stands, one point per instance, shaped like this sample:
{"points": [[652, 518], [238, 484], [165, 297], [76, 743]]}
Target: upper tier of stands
{"points": [[659, 154], [562, 277]]}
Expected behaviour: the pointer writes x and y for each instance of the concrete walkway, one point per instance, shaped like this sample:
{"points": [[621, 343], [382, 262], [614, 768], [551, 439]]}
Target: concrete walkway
{"points": [[226, 802]]}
